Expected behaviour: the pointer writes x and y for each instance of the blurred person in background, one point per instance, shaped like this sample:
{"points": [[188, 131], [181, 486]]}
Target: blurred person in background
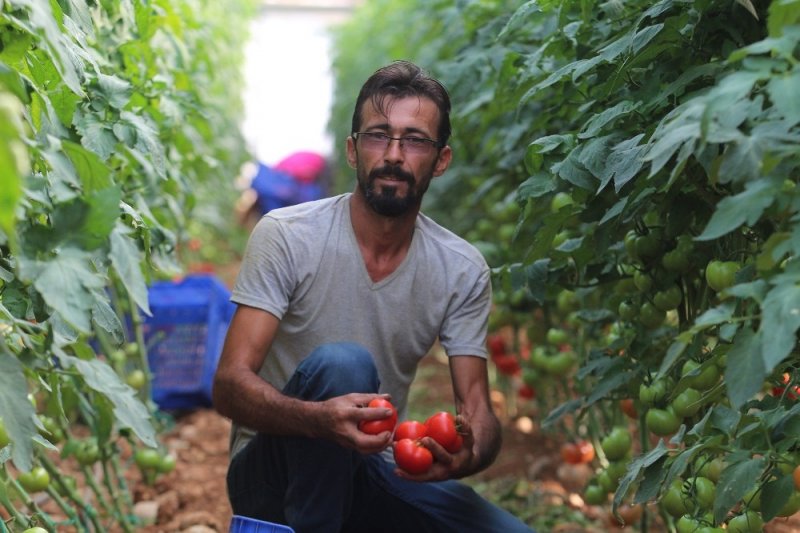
{"points": [[300, 177], [339, 299]]}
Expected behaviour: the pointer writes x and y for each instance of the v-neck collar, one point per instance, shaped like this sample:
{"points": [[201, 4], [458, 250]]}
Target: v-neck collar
{"points": [[375, 285]]}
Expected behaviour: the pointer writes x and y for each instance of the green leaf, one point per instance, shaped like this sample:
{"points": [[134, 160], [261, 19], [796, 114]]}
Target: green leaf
{"points": [[93, 173], [775, 494], [520, 16], [781, 320], [735, 481], [16, 411], [66, 282], [783, 89], [744, 373], [126, 259], [733, 211], [128, 409]]}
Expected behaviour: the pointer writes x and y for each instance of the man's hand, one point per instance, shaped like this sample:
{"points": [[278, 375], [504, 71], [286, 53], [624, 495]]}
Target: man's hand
{"points": [[448, 465], [339, 417]]}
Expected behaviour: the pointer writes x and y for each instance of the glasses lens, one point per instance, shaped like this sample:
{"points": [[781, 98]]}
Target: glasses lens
{"points": [[410, 145]]}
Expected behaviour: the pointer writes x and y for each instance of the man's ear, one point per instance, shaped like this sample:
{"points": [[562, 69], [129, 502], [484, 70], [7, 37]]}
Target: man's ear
{"points": [[443, 161], [352, 156]]}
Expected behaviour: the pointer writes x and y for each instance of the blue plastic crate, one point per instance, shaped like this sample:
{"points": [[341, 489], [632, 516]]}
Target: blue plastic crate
{"points": [[242, 524], [184, 338]]}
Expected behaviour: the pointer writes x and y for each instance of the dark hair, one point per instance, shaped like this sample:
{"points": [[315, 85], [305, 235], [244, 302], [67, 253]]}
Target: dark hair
{"points": [[402, 79]]}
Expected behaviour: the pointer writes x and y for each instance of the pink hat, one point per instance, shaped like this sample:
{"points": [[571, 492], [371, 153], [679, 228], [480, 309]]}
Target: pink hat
{"points": [[303, 166]]}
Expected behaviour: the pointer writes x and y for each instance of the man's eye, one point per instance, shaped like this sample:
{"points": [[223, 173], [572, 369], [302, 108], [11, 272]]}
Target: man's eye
{"points": [[414, 140]]}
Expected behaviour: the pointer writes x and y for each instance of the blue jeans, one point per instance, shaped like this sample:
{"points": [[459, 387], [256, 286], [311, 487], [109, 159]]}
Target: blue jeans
{"points": [[317, 486]]}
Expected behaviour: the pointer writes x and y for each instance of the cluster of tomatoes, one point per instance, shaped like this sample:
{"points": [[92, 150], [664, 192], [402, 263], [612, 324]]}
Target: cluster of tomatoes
{"points": [[410, 454]]}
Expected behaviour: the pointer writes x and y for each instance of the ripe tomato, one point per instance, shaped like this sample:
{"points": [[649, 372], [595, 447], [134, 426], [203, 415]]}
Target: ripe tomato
{"points": [[627, 406], [496, 344], [410, 429], [507, 364], [526, 392], [578, 452], [796, 475], [441, 427], [412, 456], [376, 427]]}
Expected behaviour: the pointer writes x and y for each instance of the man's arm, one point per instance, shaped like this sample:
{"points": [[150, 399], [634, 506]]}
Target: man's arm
{"points": [[240, 394]]}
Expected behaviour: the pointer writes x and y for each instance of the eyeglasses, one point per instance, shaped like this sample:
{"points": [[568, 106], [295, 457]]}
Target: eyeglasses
{"points": [[373, 140]]}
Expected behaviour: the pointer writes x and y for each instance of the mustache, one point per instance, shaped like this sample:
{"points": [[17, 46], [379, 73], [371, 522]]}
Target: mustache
{"points": [[395, 172]]}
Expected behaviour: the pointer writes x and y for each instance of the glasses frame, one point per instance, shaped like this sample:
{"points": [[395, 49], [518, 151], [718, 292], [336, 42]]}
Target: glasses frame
{"points": [[388, 139]]}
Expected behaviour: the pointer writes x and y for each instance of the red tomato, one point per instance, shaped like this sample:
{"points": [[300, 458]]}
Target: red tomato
{"points": [[442, 428], [586, 450], [570, 453], [375, 427], [507, 364], [526, 392], [496, 344], [410, 429], [412, 456], [627, 406]]}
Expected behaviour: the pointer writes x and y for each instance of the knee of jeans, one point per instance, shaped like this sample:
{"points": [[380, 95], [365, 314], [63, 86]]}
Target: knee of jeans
{"points": [[340, 368]]}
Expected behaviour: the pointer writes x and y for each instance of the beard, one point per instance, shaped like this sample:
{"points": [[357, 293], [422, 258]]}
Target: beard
{"points": [[387, 201]]}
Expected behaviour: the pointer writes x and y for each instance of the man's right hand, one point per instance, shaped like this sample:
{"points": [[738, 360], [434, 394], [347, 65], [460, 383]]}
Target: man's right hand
{"points": [[339, 418]]}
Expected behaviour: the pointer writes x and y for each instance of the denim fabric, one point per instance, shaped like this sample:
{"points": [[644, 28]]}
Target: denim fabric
{"points": [[316, 486]]}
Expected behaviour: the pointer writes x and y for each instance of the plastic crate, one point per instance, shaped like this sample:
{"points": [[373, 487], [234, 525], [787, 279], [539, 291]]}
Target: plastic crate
{"points": [[242, 524], [184, 338]]}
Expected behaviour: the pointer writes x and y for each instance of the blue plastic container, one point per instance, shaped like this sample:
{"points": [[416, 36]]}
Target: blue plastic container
{"points": [[242, 524], [184, 338]]}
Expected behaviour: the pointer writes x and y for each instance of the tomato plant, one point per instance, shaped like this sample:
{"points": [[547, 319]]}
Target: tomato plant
{"points": [[412, 456], [375, 427], [616, 444]]}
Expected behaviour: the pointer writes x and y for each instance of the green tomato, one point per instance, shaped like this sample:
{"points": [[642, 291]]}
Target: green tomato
{"points": [[147, 458], [687, 524], [711, 529], [721, 274], [559, 363], [649, 245], [687, 403], [87, 452], [34, 481], [668, 299], [560, 200], [747, 522], [36, 529], [616, 444], [628, 310], [136, 379], [167, 464], [650, 316], [702, 491], [557, 336], [675, 502], [653, 393], [791, 506], [594, 494], [662, 422], [710, 468], [567, 301], [677, 260], [642, 281], [704, 379]]}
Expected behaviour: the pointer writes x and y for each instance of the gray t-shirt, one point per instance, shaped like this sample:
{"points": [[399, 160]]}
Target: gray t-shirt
{"points": [[303, 265]]}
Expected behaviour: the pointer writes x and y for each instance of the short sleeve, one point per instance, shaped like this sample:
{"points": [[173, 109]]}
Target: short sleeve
{"points": [[266, 277]]}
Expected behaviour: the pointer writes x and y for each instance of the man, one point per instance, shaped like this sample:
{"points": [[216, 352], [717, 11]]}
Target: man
{"points": [[338, 300]]}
